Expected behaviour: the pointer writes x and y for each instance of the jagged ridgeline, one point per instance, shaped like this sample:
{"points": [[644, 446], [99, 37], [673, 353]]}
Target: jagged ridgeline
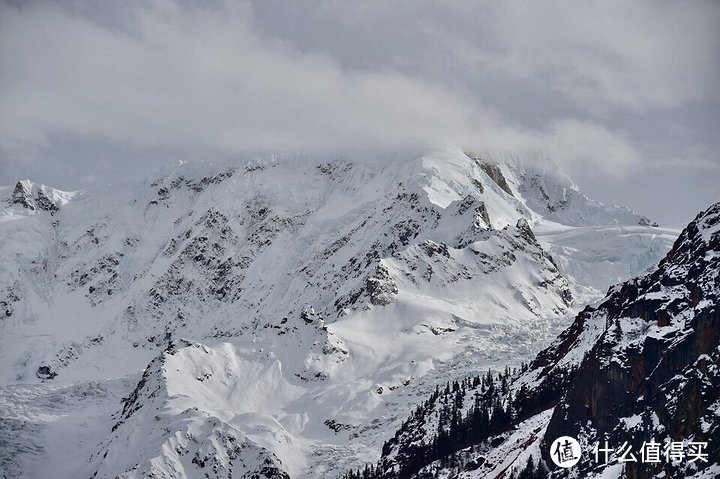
{"points": [[641, 365]]}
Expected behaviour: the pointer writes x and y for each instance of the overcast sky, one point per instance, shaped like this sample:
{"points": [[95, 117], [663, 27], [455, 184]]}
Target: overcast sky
{"points": [[624, 95]]}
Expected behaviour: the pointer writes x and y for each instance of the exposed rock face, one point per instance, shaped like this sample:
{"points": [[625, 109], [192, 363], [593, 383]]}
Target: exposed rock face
{"points": [[657, 358], [22, 195], [33, 197], [494, 172], [44, 203], [380, 287], [645, 221]]}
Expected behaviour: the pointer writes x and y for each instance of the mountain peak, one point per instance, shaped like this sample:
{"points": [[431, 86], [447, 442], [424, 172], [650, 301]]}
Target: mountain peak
{"points": [[22, 195], [700, 236], [32, 196]]}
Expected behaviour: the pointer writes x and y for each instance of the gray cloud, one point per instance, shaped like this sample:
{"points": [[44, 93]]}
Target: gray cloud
{"points": [[599, 54], [608, 89], [204, 78]]}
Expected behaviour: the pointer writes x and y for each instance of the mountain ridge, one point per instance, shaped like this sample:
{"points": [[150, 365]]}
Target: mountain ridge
{"points": [[369, 285]]}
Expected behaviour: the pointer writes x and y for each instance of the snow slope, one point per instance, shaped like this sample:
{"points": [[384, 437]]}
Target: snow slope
{"points": [[321, 298], [639, 366]]}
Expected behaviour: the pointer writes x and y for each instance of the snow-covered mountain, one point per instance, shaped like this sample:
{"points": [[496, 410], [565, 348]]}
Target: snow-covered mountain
{"points": [[635, 373], [286, 312], [551, 193]]}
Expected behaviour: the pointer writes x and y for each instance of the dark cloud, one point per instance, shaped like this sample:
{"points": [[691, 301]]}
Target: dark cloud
{"points": [[614, 91]]}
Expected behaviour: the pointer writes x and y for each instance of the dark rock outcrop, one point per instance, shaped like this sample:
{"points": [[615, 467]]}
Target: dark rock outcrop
{"points": [[22, 195], [645, 221], [494, 172], [657, 359], [44, 203]]}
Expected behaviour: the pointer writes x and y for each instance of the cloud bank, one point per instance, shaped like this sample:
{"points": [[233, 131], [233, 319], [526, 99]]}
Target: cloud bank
{"points": [[205, 78], [606, 88]]}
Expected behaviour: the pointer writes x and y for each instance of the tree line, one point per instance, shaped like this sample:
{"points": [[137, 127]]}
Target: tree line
{"points": [[456, 422]]}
